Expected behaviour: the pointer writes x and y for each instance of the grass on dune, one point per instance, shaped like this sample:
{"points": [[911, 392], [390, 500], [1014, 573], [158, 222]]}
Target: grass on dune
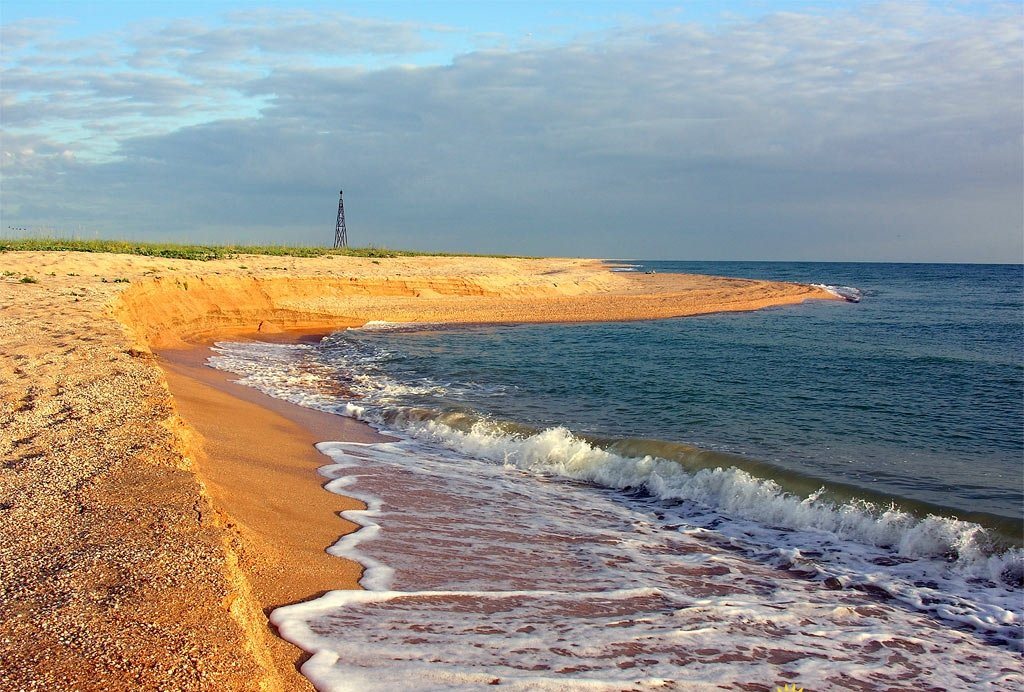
{"points": [[206, 252]]}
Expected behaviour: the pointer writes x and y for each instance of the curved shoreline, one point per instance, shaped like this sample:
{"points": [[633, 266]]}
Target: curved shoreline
{"points": [[123, 566], [313, 294], [259, 466]]}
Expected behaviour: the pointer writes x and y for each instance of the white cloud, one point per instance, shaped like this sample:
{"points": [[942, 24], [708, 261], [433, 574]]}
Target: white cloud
{"points": [[794, 131]]}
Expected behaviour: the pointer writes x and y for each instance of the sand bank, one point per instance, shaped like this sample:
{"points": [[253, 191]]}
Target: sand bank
{"points": [[147, 529]]}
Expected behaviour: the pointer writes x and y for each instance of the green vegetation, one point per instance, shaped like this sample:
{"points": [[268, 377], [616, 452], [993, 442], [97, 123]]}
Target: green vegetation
{"points": [[28, 280], [206, 252]]}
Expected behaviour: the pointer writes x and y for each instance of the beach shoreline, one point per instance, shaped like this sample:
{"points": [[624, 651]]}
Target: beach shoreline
{"points": [[141, 552], [257, 461]]}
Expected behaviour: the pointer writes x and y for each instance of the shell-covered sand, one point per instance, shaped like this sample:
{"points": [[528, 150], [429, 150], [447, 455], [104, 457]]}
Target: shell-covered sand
{"points": [[118, 569]]}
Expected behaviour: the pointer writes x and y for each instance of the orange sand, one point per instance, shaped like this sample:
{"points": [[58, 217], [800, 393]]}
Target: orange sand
{"points": [[258, 464], [152, 513]]}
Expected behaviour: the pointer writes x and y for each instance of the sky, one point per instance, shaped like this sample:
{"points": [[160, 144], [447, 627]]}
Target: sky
{"points": [[757, 130]]}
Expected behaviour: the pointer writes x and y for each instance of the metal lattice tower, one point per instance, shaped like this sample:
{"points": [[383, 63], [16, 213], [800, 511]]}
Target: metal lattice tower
{"points": [[340, 232]]}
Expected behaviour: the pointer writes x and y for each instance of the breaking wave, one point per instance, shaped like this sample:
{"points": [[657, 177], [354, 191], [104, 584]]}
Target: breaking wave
{"points": [[957, 570], [847, 293]]}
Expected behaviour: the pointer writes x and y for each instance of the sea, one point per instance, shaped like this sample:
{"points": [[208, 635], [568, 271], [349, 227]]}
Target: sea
{"points": [[829, 494]]}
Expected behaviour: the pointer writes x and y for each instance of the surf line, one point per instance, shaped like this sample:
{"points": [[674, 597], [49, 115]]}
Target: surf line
{"points": [[377, 576]]}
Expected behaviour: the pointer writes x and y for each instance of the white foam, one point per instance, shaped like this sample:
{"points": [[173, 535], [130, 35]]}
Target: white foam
{"points": [[297, 373], [382, 326], [847, 293], [448, 645], [284, 371], [556, 451], [501, 574], [377, 576]]}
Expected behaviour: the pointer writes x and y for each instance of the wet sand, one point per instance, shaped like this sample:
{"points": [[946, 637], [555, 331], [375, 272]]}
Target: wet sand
{"points": [[152, 512], [257, 461]]}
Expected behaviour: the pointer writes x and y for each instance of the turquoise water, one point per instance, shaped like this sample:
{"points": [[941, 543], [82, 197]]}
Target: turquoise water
{"points": [[913, 394]]}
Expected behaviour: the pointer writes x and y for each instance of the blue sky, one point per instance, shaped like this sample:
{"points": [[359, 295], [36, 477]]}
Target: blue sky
{"points": [[501, 16], [743, 130]]}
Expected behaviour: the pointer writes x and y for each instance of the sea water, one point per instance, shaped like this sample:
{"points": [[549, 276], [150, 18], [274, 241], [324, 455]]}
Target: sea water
{"points": [[826, 494]]}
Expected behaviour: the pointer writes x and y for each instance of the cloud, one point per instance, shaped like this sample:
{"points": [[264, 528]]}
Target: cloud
{"points": [[19, 35], [784, 136], [184, 69]]}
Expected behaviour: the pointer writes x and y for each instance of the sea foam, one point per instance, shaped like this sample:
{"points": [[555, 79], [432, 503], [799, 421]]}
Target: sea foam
{"points": [[503, 575], [858, 536], [847, 293]]}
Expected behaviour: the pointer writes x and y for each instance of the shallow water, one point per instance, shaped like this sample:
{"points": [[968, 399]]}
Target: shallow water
{"points": [[580, 504]]}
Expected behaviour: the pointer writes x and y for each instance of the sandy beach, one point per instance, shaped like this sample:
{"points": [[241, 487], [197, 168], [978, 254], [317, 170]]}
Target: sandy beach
{"points": [[152, 511]]}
